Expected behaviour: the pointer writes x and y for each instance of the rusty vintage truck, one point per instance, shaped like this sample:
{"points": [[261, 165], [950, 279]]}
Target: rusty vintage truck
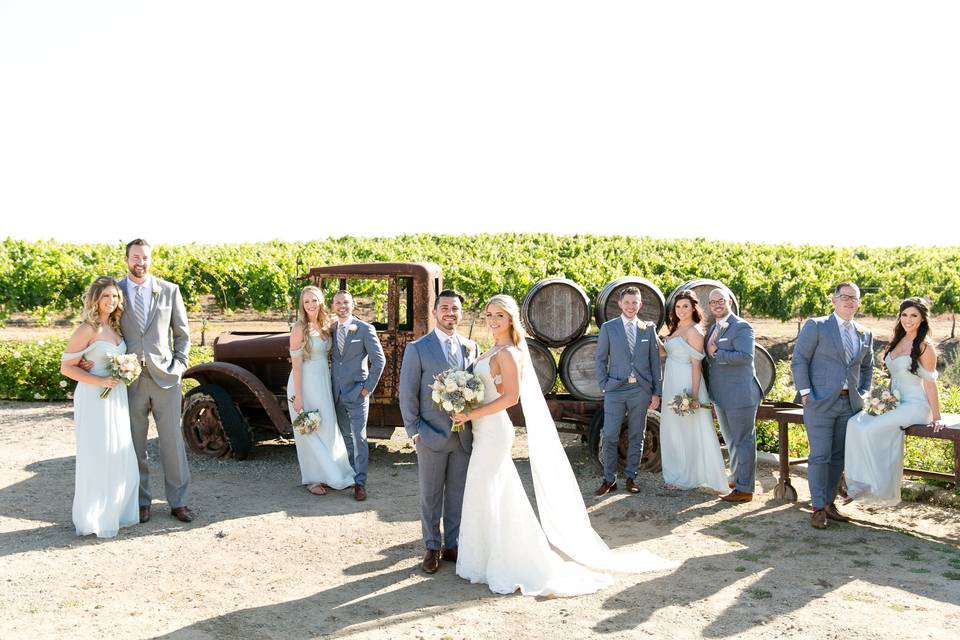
{"points": [[241, 396]]}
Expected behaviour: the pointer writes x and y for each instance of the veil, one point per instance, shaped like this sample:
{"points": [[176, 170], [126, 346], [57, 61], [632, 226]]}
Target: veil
{"points": [[563, 514]]}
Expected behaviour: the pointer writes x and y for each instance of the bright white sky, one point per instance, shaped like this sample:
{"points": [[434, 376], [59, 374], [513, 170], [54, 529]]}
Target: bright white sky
{"points": [[224, 121]]}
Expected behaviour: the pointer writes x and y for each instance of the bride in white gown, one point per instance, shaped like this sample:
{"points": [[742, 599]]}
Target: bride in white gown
{"points": [[322, 454], [501, 541], [873, 464], [689, 448], [107, 479]]}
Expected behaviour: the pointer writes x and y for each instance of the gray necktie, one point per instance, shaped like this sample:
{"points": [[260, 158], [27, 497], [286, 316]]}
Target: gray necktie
{"points": [[341, 337], [452, 356], [139, 307], [631, 336], [848, 345]]}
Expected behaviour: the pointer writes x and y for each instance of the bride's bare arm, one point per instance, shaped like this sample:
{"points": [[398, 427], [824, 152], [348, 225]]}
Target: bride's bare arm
{"points": [[928, 360], [506, 362]]}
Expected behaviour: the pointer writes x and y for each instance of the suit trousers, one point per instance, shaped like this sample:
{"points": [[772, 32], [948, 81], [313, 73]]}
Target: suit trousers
{"points": [[443, 476], [827, 433], [352, 420], [739, 430], [633, 402], [145, 396]]}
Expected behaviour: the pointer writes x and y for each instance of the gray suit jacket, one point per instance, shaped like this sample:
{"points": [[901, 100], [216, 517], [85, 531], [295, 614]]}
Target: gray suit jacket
{"points": [[350, 371], [820, 364], [730, 374], [165, 344], [422, 360], [614, 362]]}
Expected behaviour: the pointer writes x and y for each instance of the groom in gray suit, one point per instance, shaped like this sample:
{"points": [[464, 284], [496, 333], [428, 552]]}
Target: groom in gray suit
{"points": [[736, 393], [355, 343], [832, 368], [153, 319], [628, 371], [442, 455]]}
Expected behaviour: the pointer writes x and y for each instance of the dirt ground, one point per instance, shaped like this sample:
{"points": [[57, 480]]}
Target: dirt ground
{"points": [[265, 559]]}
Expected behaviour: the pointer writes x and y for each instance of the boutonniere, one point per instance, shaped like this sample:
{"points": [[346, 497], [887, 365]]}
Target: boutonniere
{"points": [[723, 325], [860, 330], [352, 328], [155, 289]]}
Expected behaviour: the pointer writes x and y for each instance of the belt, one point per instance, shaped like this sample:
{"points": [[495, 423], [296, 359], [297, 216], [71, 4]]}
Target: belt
{"points": [[844, 392]]}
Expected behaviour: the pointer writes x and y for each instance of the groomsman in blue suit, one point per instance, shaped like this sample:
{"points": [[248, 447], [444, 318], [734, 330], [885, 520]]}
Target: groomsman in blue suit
{"points": [[736, 393], [628, 371], [357, 362], [832, 369]]}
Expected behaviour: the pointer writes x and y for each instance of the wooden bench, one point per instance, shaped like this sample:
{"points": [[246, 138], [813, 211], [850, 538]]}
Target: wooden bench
{"points": [[786, 414]]}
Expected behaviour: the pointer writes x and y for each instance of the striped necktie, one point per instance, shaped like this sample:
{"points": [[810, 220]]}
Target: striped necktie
{"points": [[139, 307], [631, 336], [452, 356], [848, 345], [341, 337]]}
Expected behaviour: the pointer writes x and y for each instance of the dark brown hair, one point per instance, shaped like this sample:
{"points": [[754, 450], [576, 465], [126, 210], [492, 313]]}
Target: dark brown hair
{"points": [[687, 294], [899, 333]]}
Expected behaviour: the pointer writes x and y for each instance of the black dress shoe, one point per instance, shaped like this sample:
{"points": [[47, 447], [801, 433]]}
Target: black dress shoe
{"points": [[450, 555], [431, 561], [183, 514], [145, 514]]}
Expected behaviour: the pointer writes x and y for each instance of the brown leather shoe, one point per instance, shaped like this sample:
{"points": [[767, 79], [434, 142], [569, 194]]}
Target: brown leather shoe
{"points": [[606, 488], [183, 514], [819, 519], [632, 486], [450, 555], [737, 496], [834, 514], [431, 561], [359, 492], [732, 485], [145, 514]]}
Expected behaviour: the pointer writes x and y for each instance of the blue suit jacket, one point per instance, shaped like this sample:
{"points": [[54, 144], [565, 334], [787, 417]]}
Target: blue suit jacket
{"points": [[730, 373], [820, 364], [614, 361], [422, 360]]}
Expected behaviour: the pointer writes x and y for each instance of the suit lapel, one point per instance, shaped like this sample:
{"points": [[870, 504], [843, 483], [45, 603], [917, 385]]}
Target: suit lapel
{"points": [[153, 301], [834, 328], [437, 348]]}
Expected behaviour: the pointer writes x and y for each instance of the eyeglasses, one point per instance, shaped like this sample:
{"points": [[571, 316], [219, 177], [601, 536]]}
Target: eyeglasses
{"points": [[845, 298], [716, 303]]}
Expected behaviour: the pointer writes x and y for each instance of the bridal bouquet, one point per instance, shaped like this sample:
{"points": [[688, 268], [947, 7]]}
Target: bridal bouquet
{"points": [[124, 367], [456, 391], [683, 404], [880, 400], [307, 422]]}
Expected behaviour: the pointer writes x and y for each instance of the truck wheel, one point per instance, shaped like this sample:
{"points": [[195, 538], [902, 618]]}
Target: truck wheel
{"points": [[213, 425], [649, 461]]}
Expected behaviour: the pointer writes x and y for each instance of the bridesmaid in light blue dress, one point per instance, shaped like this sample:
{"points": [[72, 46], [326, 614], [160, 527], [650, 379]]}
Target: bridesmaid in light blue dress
{"points": [[874, 446], [322, 454], [107, 479]]}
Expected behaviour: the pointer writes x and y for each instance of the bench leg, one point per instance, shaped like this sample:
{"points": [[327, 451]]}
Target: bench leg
{"points": [[784, 490]]}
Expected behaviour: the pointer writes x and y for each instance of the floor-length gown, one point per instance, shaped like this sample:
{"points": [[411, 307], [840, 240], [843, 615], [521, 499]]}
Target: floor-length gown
{"points": [[107, 479], [322, 454], [501, 541], [873, 462], [689, 449]]}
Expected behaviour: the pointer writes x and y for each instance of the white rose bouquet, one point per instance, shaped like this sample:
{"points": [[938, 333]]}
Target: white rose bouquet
{"points": [[683, 404], [307, 422], [125, 367], [456, 391], [880, 400]]}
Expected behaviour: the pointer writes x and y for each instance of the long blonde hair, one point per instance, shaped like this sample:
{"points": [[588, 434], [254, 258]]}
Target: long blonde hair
{"points": [[517, 333], [91, 303], [303, 320]]}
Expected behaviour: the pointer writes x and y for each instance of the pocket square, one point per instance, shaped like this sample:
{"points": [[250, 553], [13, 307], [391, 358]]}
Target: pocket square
{"points": [[645, 340], [352, 341], [722, 339]]}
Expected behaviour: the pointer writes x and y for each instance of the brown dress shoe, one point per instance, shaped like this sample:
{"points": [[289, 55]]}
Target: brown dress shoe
{"points": [[606, 488], [183, 514], [145, 514], [737, 496], [632, 486], [819, 519], [732, 485], [834, 514], [450, 555], [359, 492], [431, 561]]}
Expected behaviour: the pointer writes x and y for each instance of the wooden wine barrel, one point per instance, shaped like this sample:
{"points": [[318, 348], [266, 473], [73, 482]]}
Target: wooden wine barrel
{"points": [[578, 371], [702, 287], [766, 368], [653, 309], [555, 311], [543, 364]]}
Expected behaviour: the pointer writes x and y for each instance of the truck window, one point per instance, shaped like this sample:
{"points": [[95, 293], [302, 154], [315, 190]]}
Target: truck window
{"points": [[405, 304]]}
